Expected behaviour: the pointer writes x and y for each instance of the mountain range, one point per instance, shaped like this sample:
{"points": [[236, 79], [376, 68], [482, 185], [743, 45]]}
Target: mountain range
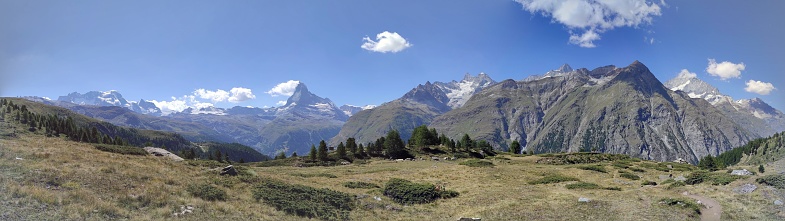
{"points": [[754, 115], [608, 109]]}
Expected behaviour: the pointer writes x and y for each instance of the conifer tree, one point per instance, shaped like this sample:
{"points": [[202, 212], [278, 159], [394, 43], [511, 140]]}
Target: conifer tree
{"points": [[312, 154], [341, 149], [515, 147], [322, 154]]}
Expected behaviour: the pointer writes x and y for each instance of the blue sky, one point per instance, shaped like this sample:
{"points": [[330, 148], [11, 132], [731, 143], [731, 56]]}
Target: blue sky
{"points": [[156, 50]]}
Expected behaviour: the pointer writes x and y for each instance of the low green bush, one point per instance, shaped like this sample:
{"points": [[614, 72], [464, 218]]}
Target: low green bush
{"points": [[360, 185], [121, 149], [676, 184], [582, 185], [307, 175], [477, 163], [407, 192], [598, 168], [649, 183], [629, 176], [553, 178], [304, 201], [775, 180], [639, 170], [207, 192]]}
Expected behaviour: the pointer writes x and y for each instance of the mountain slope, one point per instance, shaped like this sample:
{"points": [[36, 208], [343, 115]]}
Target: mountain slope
{"points": [[613, 110], [754, 115], [417, 107]]}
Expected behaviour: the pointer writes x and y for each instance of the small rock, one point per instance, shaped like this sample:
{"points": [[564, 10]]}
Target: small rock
{"points": [[680, 178], [392, 208], [742, 172], [229, 170], [670, 166], [189, 207], [187, 211], [583, 200], [778, 202], [361, 196], [19, 158], [377, 198]]}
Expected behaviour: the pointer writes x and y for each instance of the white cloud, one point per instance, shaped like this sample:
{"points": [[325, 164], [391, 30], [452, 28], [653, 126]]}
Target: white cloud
{"points": [[179, 104], [759, 87], [593, 17], [241, 94], [687, 74], [280, 103], [234, 95], [215, 96], [586, 40], [285, 88], [725, 70], [386, 42]]}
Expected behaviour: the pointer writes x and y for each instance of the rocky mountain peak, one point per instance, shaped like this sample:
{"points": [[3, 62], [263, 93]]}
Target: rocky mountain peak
{"points": [[302, 96], [564, 68]]}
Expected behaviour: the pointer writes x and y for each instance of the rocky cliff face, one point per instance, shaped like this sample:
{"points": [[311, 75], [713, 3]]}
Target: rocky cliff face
{"points": [[613, 110], [754, 115], [417, 107]]}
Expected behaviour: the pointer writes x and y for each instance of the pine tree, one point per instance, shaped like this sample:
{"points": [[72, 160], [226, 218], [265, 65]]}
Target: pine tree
{"points": [[341, 149], [218, 155], [515, 147], [394, 145], [322, 152], [761, 169], [281, 155], [312, 154], [351, 145], [294, 154], [360, 151], [467, 142]]}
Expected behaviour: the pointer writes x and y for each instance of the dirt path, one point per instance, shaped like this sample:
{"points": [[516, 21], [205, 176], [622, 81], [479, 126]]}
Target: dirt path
{"points": [[712, 211]]}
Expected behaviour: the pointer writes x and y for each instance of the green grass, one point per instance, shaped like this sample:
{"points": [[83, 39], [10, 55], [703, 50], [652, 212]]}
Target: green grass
{"points": [[307, 175], [683, 203], [207, 192], [553, 178], [629, 176], [598, 168], [360, 185], [477, 163], [121, 149]]}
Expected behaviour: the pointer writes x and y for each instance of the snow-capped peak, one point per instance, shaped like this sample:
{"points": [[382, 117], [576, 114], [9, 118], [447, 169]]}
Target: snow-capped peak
{"points": [[460, 92]]}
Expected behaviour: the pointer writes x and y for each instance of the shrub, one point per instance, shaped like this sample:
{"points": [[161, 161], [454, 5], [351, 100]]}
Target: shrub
{"points": [[207, 192], [639, 170], [598, 168], [722, 178], [581, 158], [613, 188], [406, 192], [652, 183], [676, 184], [621, 164], [683, 203], [304, 201], [360, 185], [553, 178], [582, 185], [777, 181], [761, 169], [477, 163], [629, 176], [696, 177], [121, 149]]}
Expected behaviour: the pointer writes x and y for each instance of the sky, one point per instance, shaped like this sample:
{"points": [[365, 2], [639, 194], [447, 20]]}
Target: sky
{"points": [[252, 53]]}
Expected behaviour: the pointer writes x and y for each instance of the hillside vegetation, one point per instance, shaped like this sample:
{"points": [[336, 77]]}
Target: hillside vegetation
{"points": [[53, 178]]}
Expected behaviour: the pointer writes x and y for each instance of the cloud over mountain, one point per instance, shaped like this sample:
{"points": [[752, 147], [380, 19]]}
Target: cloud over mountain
{"points": [[759, 87], [725, 70], [285, 88]]}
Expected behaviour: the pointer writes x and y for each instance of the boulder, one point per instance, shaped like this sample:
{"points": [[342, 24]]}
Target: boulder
{"points": [[584, 200], [229, 170], [680, 178], [778, 202], [742, 172], [745, 189]]}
